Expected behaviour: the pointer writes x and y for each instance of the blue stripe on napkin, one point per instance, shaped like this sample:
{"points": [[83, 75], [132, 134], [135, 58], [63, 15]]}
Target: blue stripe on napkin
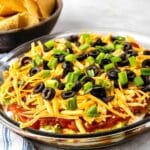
{"points": [[12, 141]]}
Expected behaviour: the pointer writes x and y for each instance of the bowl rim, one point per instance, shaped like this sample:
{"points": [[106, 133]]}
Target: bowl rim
{"points": [[59, 4], [89, 135]]}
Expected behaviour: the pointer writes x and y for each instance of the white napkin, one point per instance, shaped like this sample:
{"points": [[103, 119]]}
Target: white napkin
{"points": [[12, 141]]}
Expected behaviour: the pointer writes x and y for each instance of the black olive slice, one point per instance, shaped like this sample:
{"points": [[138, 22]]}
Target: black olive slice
{"points": [[81, 57], [146, 63], [146, 88], [60, 58], [131, 75], [146, 52], [94, 68], [48, 93], [45, 62], [113, 73], [77, 86], [131, 52], [116, 84], [67, 94], [127, 46], [124, 62], [98, 42], [88, 79], [146, 79], [93, 53], [73, 38], [25, 60], [98, 91], [68, 67], [105, 62], [34, 71], [108, 99], [39, 87]]}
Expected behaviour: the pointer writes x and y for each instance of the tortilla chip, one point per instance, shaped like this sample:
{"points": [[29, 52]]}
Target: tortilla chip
{"points": [[32, 8], [27, 20], [15, 5], [6, 11], [9, 23], [46, 7]]}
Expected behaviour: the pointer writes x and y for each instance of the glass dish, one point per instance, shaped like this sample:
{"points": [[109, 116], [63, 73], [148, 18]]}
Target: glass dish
{"points": [[80, 141]]}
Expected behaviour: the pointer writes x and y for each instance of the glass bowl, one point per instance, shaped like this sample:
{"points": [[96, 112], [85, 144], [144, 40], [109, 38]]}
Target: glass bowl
{"points": [[78, 141]]}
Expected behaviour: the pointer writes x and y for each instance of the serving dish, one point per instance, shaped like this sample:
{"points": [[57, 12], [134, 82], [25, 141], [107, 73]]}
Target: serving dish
{"points": [[12, 38], [81, 141]]}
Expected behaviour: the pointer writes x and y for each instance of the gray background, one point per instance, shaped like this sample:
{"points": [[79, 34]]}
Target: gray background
{"points": [[129, 15]]}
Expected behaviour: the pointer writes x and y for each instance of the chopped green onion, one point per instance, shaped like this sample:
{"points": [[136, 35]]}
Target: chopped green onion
{"points": [[69, 86], [92, 111], [132, 61], [145, 71], [87, 87], [49, 44], [108, 56], [100, 57], [100, 48], [104, 83], [90, 73], [99, 81], [115, 59], [68, 44], [46, 73], [138, 81], [118, 46], [73, 76], [107, 84], [86, 38], [70, 57], [59, 52], [109, 48], [105, 49], [90, 60], [51, 83], [84, 47], [52, 63], [108, 67], [120, 38], [123, 79], [72, 103], [38, 60], [33, 64]]}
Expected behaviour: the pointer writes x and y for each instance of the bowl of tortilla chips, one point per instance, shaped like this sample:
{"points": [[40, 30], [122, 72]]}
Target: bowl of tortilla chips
{"points": [[21, 21]]}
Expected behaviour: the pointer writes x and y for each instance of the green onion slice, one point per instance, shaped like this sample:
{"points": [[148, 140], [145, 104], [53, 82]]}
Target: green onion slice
{"points": [[92, 111], [122, 76], [132, 61], [72, 103], [138, 81], [145, 71], [87, 87], [49, 44]]}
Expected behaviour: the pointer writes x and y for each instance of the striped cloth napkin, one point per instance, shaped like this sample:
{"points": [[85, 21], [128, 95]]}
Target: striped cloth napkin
{"points": [[12, 141]]}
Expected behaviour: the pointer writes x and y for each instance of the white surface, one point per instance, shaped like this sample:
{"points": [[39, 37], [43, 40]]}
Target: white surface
{"points": [[130, 15]]}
